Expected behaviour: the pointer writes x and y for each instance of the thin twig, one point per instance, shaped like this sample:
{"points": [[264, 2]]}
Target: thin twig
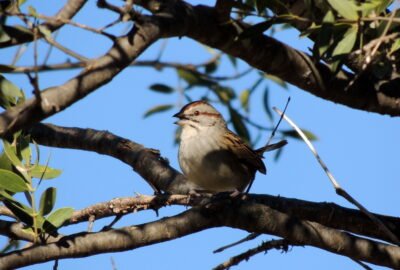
{"points": [[249, 237], [64, 49], [281, 244], [339, 190]]}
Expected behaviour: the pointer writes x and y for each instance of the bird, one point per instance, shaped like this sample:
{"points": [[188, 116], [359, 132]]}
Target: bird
{"points": [[213, 157]]}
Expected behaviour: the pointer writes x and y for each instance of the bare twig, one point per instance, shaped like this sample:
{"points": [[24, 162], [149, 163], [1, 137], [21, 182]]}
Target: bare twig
{"points": [[281, 244], [249, 237], [339, 190]]}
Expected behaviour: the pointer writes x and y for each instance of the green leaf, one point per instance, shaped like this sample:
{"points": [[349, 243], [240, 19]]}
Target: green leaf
{"points": [[238, 125], [9, 93], [224, 93], [5, 163], [395, 46], [277, 80], [21, 211], [158, 109], [12, 182], [267, 107], [24, 149], [244, 99], [233, 60], [15, 160], [188, 76], [32, 11], [293, 134], [58, 217], [346, 8], [43, 172], [47, 201], [162, 88], [11, 154], [211, 67], [4, 37], [345, 45]]}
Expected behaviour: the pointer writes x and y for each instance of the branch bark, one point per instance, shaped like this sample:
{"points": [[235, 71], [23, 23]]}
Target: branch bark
{"points": [[158, 173], [96, 74], [242, 214], [17, 36], [202, 24]]}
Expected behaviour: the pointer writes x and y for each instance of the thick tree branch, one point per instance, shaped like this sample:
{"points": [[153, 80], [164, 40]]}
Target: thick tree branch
{"points": [[17, 36], [96, 74], [158, 173], [240, 214], [202, 24], [146, 162]]}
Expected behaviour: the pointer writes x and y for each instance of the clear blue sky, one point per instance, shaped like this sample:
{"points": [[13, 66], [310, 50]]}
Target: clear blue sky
{"points": [[360, 148]]}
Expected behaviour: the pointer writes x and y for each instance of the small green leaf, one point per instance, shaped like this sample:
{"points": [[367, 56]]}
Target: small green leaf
{"points": [[293, 134], [238, 125], [277, 80], [21, 211], [188, 76], [278, 153], [9, 93], [346, 8], [10, 152], [244, 99], [24, 148], [58, 217], [233, 60], [224, 93], [4, 37], [345, 45], [395, 46], [32, 11], [162, 88], [5, 163], [43, 172], [47, 201], [211, 67], [12, 182], [267, 107], [158, 109], [15, 160]]}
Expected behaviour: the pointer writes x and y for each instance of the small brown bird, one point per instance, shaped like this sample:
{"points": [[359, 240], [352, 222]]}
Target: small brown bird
{"points": [[213, 157]]}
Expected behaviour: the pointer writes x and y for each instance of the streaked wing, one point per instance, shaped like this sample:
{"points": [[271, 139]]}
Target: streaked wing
{"points": [[245, 153]]}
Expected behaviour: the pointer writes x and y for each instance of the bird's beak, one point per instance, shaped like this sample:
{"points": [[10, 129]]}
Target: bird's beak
{"points": [[178, 115], [182, 118]]}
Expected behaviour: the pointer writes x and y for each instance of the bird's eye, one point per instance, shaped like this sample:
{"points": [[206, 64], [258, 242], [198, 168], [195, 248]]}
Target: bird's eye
{"points": [[196, 113]]}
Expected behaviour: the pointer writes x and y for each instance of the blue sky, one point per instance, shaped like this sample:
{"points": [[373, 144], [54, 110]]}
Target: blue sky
{"points": [[360, 148]]}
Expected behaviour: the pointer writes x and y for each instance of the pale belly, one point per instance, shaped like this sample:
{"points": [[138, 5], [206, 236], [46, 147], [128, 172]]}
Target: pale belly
{"points": [[211, 168]]}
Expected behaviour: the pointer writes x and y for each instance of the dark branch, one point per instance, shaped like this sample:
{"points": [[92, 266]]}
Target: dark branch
{"points": [[202, 24], [242, 214], [157, 172]]}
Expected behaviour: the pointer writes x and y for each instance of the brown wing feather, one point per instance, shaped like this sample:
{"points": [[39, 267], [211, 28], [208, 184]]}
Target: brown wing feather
{"points": [[245, 153]]}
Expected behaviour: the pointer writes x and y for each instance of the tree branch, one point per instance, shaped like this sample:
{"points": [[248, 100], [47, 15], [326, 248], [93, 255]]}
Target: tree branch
{"points": [[17, 36], [157, 172], [202, 24], [242, 214], [146, 162], [96, 74]]}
